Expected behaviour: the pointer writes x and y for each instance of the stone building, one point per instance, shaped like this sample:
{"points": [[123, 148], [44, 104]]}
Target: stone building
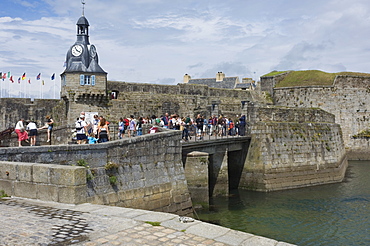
{"points": [[221, 81]]}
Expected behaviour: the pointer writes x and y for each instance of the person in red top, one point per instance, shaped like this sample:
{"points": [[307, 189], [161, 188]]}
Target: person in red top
{"points": [[231, 127]]}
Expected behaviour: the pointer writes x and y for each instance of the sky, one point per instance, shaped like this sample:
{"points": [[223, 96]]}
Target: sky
{"points": [[158, 41]]}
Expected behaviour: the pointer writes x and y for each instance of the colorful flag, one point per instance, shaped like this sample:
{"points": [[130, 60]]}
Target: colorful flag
{"points": [[38, 76], [29, 81], [24, 76], [19, 80], [53, 76], [4, 76], [8, 75], [11, 79], [43, 82]]}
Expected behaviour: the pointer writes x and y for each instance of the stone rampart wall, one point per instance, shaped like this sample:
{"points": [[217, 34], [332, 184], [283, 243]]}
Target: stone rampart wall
{"points": [[268, 83], [143, 172], [12, 109], [347, 99], [292, 155], [283, 114], [47, 182]]}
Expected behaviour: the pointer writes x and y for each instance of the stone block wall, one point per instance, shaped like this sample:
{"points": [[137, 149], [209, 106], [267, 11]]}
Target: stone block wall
{"points": [[268, 83], [347, 99], [47, 182], [145, 172], [12, 109], [292, 155], [284, 114]]}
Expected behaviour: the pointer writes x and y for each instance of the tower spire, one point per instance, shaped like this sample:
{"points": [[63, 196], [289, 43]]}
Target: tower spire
{"points": [[83, 7]]}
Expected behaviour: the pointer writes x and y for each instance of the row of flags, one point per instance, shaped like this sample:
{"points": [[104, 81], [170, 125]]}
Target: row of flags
{"points": [[4, 76]]}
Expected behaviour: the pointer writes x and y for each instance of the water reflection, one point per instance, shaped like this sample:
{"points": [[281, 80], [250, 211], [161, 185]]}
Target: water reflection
{"points": [[333, 214]]}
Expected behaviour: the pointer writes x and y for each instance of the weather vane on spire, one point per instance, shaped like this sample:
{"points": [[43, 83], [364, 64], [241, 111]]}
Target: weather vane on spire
{"points": [[83, 7]]}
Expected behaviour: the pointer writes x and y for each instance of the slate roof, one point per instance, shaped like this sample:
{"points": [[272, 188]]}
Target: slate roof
{"points": [[82, 21], [226, 83], [243, 86]]}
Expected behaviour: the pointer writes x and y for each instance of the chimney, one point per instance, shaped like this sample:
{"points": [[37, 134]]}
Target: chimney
{"points": [[220, 76], [187, 77]]}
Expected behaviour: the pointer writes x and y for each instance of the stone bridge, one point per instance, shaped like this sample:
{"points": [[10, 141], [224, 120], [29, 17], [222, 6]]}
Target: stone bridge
{"points": [[213, 167]]}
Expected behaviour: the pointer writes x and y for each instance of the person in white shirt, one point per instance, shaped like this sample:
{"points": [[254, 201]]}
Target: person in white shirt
{"points": [[81, 130], [32, 128]]}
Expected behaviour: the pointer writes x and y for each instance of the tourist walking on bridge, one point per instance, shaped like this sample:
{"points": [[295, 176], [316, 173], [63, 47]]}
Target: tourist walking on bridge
{"points": [[103, 131], [121, 128], [132, 127], [81, 130], [242, 124], [199, 123]]}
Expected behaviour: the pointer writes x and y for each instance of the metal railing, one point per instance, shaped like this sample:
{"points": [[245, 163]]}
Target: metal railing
{"points": [[192, 133], [189, 132]]}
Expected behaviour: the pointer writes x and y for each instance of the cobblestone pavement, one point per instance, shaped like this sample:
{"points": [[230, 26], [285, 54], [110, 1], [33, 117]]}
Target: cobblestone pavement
{"points": [[31, 222]]}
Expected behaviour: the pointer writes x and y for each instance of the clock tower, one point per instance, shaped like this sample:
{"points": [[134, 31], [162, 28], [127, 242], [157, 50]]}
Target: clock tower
{"points": [[83, 82]]}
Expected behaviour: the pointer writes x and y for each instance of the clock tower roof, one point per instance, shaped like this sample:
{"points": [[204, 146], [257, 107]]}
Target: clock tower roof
{"points": [[82, 57], [82, 21]]}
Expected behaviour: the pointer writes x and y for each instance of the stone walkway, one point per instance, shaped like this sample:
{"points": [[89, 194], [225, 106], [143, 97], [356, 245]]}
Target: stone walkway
{"points": [[32, 222]]}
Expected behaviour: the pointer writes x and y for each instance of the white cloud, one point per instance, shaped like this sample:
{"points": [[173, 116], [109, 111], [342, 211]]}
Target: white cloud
{"points": [[159, 41]]}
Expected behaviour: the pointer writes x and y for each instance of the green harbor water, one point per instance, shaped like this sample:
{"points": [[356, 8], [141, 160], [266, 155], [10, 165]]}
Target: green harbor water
{"points": [[333, 214]]}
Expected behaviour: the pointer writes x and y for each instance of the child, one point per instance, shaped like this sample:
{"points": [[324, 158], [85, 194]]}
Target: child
{"points": [[92, 139]]}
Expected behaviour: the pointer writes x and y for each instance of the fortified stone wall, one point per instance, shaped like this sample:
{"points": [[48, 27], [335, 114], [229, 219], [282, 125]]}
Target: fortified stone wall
{"points": [[119, 173], [268, 83], [292, 155], [256, 114], [139, 99], [347, 99], [183, 99], [12, 109], [292, 148]]}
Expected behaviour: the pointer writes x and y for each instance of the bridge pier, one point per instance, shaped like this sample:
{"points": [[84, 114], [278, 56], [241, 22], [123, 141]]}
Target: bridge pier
{"points": [[218, 174], [212, 168], [196, 173], [207, 175]]}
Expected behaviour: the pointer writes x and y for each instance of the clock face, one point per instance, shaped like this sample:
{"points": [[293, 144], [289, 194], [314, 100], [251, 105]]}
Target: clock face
{"points": [[92, 51], [77, 50]]}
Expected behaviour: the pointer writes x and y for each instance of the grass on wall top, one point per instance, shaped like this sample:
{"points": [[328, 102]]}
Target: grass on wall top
{"points": [[311, 77]]}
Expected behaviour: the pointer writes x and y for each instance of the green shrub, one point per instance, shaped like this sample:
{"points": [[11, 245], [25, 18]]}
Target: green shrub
{"points": [[113, 180]]}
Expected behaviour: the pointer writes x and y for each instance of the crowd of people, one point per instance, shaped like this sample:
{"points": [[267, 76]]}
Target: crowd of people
{"points": [[97, 130], [201, 126]]}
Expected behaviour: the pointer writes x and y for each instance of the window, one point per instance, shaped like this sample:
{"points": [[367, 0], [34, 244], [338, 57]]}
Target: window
{"points": [[87, 79]]}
